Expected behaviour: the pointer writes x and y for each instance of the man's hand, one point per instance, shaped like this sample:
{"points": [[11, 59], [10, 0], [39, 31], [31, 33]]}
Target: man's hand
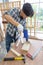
{"points": [[20, 28]]}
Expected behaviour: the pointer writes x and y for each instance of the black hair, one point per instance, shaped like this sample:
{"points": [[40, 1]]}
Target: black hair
{"points": [[28, 10]]}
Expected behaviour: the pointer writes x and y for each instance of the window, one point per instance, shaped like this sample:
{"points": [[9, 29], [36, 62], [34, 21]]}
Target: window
{"points": [[1, 1], [38, 8], [32, 1]]}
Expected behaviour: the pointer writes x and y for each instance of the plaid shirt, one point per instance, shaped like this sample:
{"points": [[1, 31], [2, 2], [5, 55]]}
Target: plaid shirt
{"points": [[15, 13]]}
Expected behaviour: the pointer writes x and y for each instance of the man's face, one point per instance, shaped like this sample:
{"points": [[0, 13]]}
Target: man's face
{"points": [[22, 14]]}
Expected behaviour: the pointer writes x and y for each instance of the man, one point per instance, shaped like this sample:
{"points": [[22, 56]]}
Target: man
{"points": [[16, 22]]}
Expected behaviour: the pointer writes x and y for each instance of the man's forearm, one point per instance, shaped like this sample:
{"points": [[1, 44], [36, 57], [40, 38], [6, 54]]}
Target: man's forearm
{"points": [[11, 20]]}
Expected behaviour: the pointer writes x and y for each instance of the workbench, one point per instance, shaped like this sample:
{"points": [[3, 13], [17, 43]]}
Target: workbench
{"points": [[37, 61]]}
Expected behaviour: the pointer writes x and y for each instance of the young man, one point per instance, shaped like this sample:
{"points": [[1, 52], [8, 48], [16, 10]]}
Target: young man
{"points": [[16, 22]]}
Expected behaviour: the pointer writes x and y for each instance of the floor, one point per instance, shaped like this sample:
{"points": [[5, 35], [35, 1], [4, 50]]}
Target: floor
{"points": [[3, 48]]}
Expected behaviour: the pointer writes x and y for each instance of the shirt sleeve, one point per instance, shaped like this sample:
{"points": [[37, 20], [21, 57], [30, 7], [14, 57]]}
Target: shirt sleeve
{"points": [[11, 12]]}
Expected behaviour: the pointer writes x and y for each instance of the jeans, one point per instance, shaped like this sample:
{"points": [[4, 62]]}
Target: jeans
{"points": [[9, 39]]}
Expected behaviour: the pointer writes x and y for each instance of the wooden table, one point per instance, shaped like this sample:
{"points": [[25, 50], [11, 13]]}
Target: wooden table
{"points": [[37, 61]]}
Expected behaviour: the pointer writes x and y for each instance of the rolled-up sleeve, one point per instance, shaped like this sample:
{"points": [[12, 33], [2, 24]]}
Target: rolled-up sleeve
{"points": [[10, 12]]}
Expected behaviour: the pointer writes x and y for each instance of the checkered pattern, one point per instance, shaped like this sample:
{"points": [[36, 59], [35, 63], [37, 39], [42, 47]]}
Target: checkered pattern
{"points": [[15, 13]]}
